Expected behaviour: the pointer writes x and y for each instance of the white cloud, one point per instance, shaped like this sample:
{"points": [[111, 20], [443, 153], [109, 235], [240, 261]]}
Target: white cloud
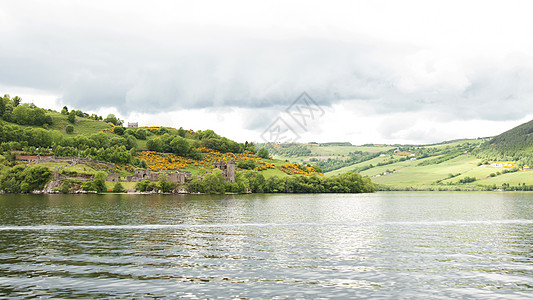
{"points": [[418, 67]]}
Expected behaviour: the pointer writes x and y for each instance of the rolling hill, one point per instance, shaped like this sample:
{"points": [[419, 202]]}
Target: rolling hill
{"points": [[500, 162]]}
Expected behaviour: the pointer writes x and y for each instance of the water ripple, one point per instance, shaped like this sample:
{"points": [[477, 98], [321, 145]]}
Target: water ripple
{"points": [[237, 225]]}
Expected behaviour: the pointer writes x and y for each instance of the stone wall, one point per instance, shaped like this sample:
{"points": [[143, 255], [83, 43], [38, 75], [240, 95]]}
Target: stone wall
{"points": [[73, 161], [145, 174]]}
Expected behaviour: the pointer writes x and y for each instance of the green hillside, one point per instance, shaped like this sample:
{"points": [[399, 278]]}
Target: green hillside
{"points": [[454, 165], [501, 162], [32, 141], [515, 144]]}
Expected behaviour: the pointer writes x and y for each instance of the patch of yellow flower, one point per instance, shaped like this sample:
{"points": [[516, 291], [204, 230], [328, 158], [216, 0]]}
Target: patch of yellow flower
{"points": [[297, 169], [212, 156], [106, 130], [156, 161]]}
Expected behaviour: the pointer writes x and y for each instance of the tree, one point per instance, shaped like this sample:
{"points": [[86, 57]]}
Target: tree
{"points": [[48, 120], [16, 101], [98, 184], [180, 146], [250, 147], [35, 178], [155, 144], [21, 179], [119, 130], [111, 118], [72, 117], [263, 153], [195, 154], [2, 107], [64, 111], [140, 134], [21, 115], [214, 182], [164, 185], [131, 142], [181, 132], [257, 182], [248, 164], [143, 164], [69, 129], [142, 186], [118, 188], [30, 115]]}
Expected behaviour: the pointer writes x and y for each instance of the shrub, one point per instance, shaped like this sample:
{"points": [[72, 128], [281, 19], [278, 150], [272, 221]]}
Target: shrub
{"points": [[69, 129], [72, 117], [118, 130], [263, 153], [98, 184], [248, 164], [118, 188]]}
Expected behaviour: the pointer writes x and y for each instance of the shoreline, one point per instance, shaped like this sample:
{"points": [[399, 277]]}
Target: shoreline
{"points": [[155, 193]]}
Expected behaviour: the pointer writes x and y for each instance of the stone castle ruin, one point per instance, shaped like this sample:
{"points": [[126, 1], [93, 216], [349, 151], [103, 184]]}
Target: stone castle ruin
{"points": [[145, 174], [181, 177], [228, 169]]}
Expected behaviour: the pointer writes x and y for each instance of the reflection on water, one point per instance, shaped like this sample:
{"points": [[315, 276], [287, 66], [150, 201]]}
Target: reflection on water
{"points": [[262, 246]]}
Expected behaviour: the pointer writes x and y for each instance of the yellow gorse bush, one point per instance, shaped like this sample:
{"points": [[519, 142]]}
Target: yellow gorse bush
{"points": [[156, 161], [297, 169]]}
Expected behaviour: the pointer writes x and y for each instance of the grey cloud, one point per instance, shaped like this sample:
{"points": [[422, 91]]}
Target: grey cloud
{"points": [[101, 62]]}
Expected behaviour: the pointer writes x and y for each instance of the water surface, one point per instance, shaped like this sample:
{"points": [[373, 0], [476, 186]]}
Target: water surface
{"points": [[391, 245]]}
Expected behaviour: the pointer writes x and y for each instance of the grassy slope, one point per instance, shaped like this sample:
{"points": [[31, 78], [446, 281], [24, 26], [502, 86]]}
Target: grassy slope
{"points": [[352, 168], [85, 126], [519, 139], [510, 178], [333, 151], [408, 173], [478, 141], [81, 126]]}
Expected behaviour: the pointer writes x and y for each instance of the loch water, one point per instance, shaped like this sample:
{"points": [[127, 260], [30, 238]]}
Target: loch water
{"points": [[382, 245]]}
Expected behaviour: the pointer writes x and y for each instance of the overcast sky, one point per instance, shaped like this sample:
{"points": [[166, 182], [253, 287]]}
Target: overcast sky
{"points": [[381, 71]]}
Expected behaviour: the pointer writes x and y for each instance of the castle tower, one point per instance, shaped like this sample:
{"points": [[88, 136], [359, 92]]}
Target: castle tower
{"points": [[228, 169]]}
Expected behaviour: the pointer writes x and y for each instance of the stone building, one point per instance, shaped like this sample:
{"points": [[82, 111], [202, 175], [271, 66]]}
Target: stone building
{"points": [[145, 174], [228, 169], [133, 124]]}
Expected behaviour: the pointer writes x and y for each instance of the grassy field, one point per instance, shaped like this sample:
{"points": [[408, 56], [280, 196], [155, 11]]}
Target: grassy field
{"points": [[127, 185], [510, 178], [81, 126], [51, 165], [352, 168], [409, 173]]}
